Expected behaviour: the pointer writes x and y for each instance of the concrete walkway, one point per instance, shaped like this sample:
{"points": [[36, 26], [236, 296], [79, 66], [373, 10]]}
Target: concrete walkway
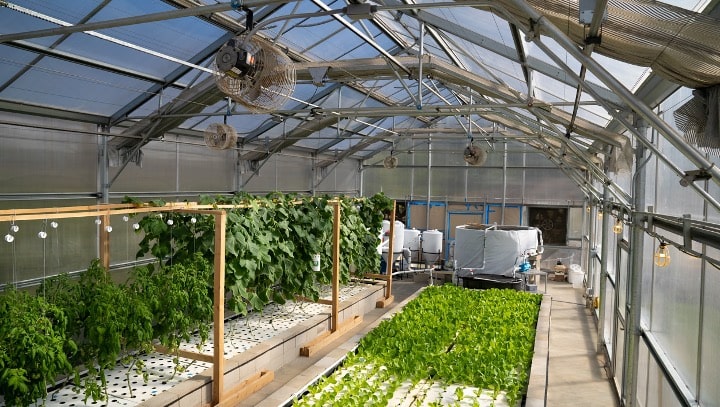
{"points": [[576, 373], [576, 376]]}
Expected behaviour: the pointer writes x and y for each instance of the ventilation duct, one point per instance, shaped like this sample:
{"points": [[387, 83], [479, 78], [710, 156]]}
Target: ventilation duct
{"points": [[699, 119]]}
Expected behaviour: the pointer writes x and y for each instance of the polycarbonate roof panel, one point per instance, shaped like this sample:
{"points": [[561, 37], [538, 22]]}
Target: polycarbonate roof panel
{"points": [[629, 75], [15, 22], [179, 38], [155, 101], [70, 11], [12, 61], [74, 87]]}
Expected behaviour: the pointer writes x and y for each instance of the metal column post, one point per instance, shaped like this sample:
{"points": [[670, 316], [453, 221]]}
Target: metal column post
{"points": [[429, 183], [603, 269], [634, 287], [103, 166]]}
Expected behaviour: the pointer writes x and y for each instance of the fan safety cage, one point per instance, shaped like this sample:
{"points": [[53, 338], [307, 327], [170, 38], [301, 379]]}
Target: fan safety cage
{"points": [[269, 86]]}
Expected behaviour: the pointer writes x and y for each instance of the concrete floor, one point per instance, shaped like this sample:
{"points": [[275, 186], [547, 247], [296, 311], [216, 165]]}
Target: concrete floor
{"points": [[576, 376], [576, 373]]}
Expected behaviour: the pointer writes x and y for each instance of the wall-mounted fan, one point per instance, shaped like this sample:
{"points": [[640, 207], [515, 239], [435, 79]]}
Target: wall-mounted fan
{"points": [[474, 155], [390, 161], [254, 73], [219, 136]]}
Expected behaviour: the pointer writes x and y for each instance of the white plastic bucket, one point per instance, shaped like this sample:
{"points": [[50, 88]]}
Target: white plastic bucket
{"points": [[575, 275]]}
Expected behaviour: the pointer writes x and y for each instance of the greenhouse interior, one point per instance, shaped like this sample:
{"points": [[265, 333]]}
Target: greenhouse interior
{"points": [[371, 203]]}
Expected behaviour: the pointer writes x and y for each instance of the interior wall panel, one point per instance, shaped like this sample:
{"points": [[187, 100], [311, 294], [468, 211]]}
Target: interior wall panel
{"points": [[675, 311], [44, 161], [710, 352]]}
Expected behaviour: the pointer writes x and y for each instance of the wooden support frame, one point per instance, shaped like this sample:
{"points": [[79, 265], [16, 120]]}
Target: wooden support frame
{"points": [[220, 396], [389, 298], [336, 328]]}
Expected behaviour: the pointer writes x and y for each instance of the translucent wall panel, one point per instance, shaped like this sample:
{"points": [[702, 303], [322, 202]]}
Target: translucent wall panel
{"points": [[203, 169], [175, 165], [621, 278], [37, 161], [551, 186], [342, 179], [575, 226], [608, 303], [394, 182], [658, 391], [69, 247], [714, 190], [648, 292], [676, 310], [710, 352]]}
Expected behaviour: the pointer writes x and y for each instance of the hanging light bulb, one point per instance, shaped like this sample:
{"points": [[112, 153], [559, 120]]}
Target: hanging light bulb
{"points": [[193, 220], [618, 227], [170, 222], [14, 228], [42, 234], [98, 221], [136, 226], [125, 218], [54, 225], [108, 228], [662, 255], [9, 238]]}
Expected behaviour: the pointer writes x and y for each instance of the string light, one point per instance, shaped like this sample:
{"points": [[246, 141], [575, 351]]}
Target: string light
{"points": [[9, 238], [125, 218], [662, 255], [14, 228], [42, 234], [54, 225], [136, 226], [98, 221], [108, 228], [618, 227]]}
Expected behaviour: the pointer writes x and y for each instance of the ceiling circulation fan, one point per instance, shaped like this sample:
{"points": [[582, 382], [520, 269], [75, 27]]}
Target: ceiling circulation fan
{"points": [[254, 72]]}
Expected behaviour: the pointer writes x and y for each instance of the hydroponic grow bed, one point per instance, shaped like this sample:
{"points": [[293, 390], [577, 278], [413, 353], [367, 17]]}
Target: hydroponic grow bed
{"points": [[447, 346], [241, 334]]}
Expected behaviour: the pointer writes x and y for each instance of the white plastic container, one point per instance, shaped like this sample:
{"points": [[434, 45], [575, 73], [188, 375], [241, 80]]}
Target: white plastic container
{"points": [[398, 237], [575, 275], [431, 245], [412, 239]]}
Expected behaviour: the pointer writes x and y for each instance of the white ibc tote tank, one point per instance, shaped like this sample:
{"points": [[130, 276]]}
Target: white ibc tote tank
{"points": [[431, 245]]}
